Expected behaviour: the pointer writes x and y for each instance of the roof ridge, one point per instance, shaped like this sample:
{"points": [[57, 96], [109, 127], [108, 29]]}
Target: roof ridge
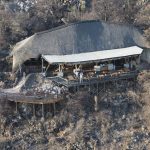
{"points": [[85, 21], [66, 25]]}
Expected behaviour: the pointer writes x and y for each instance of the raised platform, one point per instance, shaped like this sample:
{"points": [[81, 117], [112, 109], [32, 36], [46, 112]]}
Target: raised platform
{"points": [[94, 80], [50, 99]]}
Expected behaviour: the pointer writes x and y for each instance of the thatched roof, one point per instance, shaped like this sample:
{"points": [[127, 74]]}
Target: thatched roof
{"points": [[76, 38]]}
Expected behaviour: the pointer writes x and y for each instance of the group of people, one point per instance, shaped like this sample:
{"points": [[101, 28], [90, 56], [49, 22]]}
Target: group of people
{"points": [[78, 74]]}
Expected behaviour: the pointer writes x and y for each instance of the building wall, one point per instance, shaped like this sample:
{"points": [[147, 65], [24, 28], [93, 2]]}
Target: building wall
{"points": [[146, 55]]}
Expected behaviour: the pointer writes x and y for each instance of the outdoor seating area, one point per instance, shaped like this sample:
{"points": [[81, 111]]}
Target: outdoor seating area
{"points": [[76, 70], [71, 81]]}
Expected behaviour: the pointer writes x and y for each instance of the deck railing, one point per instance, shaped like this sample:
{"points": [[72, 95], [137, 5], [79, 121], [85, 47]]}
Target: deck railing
{"points": [[103, 78]]}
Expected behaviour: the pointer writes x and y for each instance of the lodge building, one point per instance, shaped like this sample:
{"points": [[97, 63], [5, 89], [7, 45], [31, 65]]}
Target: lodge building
{"points": [[87, 53], [91, 49]]}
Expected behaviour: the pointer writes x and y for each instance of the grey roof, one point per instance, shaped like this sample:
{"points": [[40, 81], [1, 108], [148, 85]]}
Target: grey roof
{"points": [[86, 36]]}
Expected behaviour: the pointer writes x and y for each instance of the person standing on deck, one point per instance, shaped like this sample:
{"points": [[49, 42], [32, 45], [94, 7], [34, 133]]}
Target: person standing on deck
{"points": [[81, 77], [76, 73]]}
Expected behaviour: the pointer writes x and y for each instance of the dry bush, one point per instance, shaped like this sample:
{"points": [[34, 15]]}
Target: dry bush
{"points": [[144, 81], [133, 95], [5, 107]]}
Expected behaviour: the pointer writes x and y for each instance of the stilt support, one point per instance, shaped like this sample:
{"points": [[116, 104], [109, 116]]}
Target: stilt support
{"points": [[96, 103], [34, 110], [16, 107], [43, 110], [97, 88], [54, 106]]}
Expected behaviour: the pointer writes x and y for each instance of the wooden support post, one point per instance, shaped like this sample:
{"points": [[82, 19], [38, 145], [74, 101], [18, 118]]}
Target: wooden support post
{"points": [[42, 65], [126, 80], [76, 67], [43, 111], [59, 67], [89, 86], [16, 107], [139, 60], [47, 68], [78, 87], [134, 84], [54, 108], [114, 65], [33, 110], [96, 103], [97, 88], [50, 108], [104, 86], [113, 83], [20, 68], [116, 85], [74, 88]]}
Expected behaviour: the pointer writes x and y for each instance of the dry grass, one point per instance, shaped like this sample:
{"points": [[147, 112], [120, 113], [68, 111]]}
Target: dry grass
{"points": [[120, 116], [144, 82]]}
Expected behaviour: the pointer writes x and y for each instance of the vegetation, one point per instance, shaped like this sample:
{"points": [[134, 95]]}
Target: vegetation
{"points": [[121, 120], [22, 18]]}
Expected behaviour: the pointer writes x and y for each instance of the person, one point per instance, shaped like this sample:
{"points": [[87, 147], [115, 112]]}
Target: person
{"points": [[81, 77], [76, 73]]}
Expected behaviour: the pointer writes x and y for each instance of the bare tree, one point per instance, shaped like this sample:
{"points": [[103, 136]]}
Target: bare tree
{"points": [[105, 9], [116, 10]]}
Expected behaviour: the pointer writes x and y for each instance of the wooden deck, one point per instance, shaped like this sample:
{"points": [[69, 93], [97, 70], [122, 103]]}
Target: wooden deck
{"points": [[51, 99], [15, 97], [93, 80]]}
